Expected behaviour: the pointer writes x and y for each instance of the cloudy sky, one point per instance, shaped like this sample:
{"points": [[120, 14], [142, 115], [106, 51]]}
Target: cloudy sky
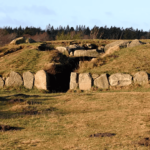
{"points": [[40, 13]]}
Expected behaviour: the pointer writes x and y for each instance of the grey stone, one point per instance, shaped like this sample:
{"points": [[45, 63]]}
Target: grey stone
{"points": [[14, 79], [102, 82], [135, 42], [114, 46], [120, 79], [119, 43], [1, 83], [85, 81], [42, 80], [73, 80], [86, 53], [28, 79], [62, 49], [141, 78]]}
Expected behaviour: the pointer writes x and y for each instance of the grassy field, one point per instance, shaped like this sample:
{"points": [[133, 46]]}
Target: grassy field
{"points": [[64, 121]]}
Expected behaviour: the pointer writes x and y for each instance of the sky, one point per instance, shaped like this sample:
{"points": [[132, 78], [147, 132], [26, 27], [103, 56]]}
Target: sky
{"points": [[40, 13]]}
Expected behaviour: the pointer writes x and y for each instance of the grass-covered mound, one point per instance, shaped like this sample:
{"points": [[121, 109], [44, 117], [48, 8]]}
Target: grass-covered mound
{"points": [[126, 60], [25, 57]]}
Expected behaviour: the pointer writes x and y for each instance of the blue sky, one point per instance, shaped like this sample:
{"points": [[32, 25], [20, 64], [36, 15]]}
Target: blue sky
{"points": [[40, 13]]}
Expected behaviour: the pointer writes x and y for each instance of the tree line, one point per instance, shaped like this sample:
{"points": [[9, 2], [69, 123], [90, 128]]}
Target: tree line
{"points": [[67, 33]]}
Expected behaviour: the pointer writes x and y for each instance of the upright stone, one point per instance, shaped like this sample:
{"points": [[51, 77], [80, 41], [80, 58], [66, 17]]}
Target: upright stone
{"points": [[120, 79], [85, 81], [1, 83], [28, 79], [141, 78], [102, 82], [42, 80], [14, 79], [73, 80]]}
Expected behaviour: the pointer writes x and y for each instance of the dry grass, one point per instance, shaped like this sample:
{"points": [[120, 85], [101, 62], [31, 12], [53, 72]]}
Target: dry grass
{"points": [[67, 120], [127, 60], [27, 58]]}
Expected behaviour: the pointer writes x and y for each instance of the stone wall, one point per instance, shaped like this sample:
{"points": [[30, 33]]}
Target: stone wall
{"points": [[83, 81], [40, 80], [104, 81]]}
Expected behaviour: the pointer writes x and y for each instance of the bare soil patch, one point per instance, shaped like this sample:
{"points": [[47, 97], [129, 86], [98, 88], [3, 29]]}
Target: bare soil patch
{"points": [[107, 134]]}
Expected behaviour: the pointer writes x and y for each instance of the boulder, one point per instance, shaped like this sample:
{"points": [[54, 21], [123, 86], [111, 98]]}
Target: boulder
{"points": [[14, 79], [73, 80], [120, 79], [1, 83], [86, 53], [101, 82], [85, 81], [28, 79], [62, 49], [118, 43], [141, 78], [29, 40], [18, 40], [42, 80], [114, 46], [135, 42]]}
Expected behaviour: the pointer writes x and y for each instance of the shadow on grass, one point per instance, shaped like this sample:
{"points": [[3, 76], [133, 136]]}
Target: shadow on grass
{"points": [[7, 98], [7, 128]]}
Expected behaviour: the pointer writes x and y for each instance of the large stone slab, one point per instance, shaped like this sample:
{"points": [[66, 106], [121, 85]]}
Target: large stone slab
{"points": [[141, 78], [42, 80], [28, 79], [62, 49], [73, 80], [1, 83], [118, 43], [14, 79], [86, 53], [120, 79], [85, 81], [115, 46], [101, 82]]}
